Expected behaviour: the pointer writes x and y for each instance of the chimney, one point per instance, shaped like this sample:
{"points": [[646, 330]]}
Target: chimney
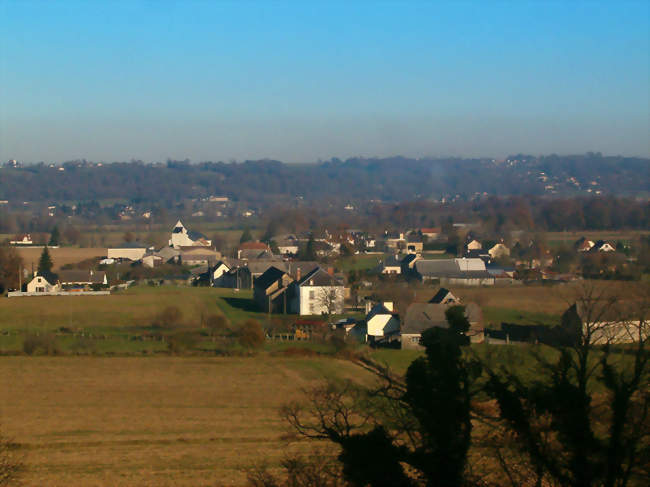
{"points": [[298, 274], [330, 271]]}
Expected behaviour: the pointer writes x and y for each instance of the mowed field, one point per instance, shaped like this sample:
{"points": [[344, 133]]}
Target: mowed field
{"points": [[60, 256], [164, 421]]}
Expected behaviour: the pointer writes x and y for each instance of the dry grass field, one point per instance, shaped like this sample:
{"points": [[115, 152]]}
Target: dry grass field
{"points": [[60, 256], [165, 421]]}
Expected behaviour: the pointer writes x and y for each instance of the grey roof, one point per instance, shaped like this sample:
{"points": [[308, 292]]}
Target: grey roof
{"points": [[194, 235], [271, 275], [409, 258], [459, 268], [319, 277], [80, 276], [440, 296], [305, 267], [50, 277], [422, 316], [260, 266], [255, 254], [167, 253]]}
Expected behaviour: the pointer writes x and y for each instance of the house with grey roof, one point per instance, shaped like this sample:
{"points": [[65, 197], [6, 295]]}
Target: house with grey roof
{"points": [[422, 316], [453, 272], [316, 293], [391, 265], [444, 296]]}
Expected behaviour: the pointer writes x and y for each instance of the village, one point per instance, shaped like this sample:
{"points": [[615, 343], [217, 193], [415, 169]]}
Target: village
{"points": [[404, 285]]}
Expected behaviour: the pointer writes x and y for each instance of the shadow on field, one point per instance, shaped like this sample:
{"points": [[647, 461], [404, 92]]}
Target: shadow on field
{"points": [[242, 304]]}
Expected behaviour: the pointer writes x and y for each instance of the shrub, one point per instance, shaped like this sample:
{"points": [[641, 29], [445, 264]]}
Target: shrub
{"points": [[217, 324], [169, 317], [45, 344], [182, 342], [251, 334]]}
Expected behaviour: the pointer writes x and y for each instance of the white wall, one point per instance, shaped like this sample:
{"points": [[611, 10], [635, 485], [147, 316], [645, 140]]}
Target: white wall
{"points": [[309, 299], [132, 254], [40, 284]]}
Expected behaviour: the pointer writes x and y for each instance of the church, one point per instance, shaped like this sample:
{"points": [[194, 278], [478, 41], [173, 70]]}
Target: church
{"points": [[182, 237]]}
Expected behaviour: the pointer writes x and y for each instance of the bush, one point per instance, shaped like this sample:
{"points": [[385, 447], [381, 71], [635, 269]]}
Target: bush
{"points": [[251, 334], [45, 344], [217, 324], [182, 342], [169, 317]]}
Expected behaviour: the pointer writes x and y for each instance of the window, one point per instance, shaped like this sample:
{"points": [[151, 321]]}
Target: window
{"points": [[312, 294]]}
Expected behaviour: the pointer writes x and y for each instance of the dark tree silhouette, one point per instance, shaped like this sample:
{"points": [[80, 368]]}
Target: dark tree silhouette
{"points": [[424, 423], [586, 422], [11, 265], [55, 237], [246, 236], [45, 263]]}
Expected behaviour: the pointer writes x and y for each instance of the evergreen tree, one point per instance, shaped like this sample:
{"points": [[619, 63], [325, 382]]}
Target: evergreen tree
{"points": [[246, 236], [55, 237], [308, 252], [45, 262], [431, 410]]}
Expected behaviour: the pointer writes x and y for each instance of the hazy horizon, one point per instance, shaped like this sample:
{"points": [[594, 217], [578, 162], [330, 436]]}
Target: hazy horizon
{"points": [[298, 82]]}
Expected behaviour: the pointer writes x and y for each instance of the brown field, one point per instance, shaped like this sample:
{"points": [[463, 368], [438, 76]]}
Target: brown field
{"points": [[60, 256], [152, 421]]}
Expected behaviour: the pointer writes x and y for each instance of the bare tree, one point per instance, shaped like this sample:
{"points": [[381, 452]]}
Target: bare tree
{"points": [[585, 422], [329, 299]]}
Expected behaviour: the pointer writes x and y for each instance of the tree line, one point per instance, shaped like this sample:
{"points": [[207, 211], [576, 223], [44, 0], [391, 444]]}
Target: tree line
{"points": [[388, 179]]}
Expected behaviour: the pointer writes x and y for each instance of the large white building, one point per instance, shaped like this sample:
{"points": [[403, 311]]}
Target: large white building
{"points": [[182, 237], [318, 293], [128, 250]]}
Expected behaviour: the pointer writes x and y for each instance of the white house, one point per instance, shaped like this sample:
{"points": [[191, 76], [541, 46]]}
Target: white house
{"points": [[499, 250], [381, 320], [287, 245], [317, 293], [46, 283], [391, 265], [217, 273], [182, 237], [23, 239]]}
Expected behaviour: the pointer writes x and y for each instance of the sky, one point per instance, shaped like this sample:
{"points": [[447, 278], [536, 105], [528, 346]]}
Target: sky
{"points": [[302, 81]]}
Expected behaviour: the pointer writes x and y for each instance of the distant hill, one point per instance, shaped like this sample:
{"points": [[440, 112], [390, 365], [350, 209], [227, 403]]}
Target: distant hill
{"points": [[387, 179]]}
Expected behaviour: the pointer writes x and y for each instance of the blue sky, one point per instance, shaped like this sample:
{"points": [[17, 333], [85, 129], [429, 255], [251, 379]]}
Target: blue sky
{"points": [[299, 81]]}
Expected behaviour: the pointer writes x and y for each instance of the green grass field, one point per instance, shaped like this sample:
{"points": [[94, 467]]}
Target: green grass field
{"points": [[494, 316], [358, 262]]}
